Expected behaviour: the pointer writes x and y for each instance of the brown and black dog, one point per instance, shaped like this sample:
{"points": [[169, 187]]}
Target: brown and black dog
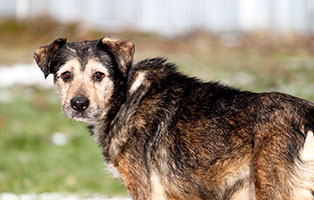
{"points": [[169, 136]]}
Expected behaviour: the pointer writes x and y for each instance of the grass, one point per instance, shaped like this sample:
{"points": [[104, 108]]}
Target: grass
{"points": [[29, 116]]}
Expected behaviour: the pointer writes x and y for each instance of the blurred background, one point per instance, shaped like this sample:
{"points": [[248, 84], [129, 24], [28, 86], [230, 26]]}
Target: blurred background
{"points": [[258, 45]]}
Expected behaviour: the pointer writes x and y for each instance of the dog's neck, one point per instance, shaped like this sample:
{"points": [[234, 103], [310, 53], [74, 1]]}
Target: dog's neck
{"points": [[112, 133], [100, 129]]}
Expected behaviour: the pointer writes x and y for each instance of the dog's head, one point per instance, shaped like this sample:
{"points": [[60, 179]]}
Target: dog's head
{"points": [[87, 74]]}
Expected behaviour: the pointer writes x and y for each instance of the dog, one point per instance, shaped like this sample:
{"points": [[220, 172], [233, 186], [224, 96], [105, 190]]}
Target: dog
{"points": [[170, 136]]}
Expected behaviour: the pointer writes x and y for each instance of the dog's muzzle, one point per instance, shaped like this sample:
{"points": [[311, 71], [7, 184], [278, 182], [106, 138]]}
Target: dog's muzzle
{"points": [[79, 103]]}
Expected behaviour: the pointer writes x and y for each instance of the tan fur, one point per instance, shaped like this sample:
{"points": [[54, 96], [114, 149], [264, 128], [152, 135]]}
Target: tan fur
{"points": [[122, 49], [303, 178], [237, 174], [113, 170], [135, 177], [138, 81], [82, 84], [158, 191], [307, 153], [246, 192], [62, 88]]}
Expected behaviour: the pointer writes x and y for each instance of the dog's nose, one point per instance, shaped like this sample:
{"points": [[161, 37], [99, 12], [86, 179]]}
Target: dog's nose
{"points": [[79, 103]]}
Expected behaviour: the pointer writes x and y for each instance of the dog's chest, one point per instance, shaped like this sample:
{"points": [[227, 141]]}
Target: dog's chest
{"points": [[113, 170], [98, 131], [110, 147]]}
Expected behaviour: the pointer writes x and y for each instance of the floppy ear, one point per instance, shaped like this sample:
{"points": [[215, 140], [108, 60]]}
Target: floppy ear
{"points": [[44, 54], [121, 49]]}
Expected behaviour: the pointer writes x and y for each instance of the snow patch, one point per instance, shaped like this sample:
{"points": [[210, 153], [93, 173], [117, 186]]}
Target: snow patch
{"points": [[59, 139], [23, 74], [54, 196]]}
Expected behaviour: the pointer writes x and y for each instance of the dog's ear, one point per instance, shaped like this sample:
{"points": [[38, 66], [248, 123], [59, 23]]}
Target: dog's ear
{"points": [[44, 54], [121, 49]]}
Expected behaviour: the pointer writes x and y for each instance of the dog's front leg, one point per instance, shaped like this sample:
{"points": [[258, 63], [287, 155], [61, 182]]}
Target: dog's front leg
{"points": [[271, 168], [135, 180]]}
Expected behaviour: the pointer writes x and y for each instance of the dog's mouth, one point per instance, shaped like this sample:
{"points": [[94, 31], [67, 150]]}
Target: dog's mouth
{"points": [[87, 115], [79, 115]]}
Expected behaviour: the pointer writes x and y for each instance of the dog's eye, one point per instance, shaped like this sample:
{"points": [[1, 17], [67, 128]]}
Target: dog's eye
{"points": [[98, 76], [66, 76]]}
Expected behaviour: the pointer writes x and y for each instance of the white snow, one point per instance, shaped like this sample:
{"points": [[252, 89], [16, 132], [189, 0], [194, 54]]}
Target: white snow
{"points": [[23, 74], [59, 139]]}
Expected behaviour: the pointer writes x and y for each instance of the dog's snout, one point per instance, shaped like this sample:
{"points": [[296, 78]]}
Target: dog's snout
{"points": [[79, 103]]}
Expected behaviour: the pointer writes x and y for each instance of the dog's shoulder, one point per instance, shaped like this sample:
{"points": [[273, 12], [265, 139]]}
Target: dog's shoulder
{"points": [[152, 70]]}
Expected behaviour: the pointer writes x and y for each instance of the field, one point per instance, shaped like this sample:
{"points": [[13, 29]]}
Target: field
{"points": [[42, 151]]}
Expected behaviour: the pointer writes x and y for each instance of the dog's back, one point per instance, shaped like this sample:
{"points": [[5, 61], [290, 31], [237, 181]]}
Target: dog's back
{"points": [[205, 141]]}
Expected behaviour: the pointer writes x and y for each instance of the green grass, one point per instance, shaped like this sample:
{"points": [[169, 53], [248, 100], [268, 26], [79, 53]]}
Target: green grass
{"points": [[31, 163]]}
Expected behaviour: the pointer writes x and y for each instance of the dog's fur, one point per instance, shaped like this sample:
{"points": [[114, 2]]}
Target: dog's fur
{"points": [[169, 136]]}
